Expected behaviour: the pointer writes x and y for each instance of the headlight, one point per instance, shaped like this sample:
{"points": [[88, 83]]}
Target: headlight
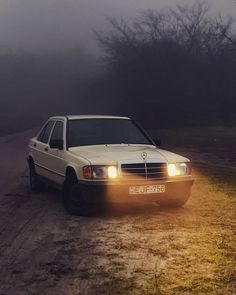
{"points": [[179, 169], [112, 172], [100, 172]]}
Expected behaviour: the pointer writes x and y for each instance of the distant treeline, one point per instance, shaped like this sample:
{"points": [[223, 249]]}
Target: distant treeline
{"points": [[173, 67]]}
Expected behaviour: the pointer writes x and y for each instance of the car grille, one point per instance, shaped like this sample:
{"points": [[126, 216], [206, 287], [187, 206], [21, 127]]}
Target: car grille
{"points": [[144, 170]]}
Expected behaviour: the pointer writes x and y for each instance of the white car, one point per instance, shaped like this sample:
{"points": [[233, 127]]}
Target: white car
{"points": [[95, 159]]}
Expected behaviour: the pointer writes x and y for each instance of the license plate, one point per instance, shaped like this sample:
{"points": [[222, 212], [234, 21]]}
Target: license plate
{"points": [[147, 189]]}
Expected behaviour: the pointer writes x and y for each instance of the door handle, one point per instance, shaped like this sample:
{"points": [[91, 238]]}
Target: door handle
{"points": [[46, 149]]}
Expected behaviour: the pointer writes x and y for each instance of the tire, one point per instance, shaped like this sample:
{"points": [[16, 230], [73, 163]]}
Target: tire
{"points": [[36, 185], [74, 199]]}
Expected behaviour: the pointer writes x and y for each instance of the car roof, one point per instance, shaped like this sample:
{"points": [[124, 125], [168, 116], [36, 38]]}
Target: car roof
{"points": [[76, 117]]}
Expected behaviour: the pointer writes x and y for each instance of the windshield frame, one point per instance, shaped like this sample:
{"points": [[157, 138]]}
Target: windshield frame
{"points": [[143, 132]]}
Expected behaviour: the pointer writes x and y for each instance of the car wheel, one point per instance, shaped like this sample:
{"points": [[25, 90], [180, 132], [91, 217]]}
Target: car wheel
{"points": [[35, 184], [75, 201]]}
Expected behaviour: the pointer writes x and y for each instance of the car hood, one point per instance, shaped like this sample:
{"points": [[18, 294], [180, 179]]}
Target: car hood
{"points": [[113, 154]]}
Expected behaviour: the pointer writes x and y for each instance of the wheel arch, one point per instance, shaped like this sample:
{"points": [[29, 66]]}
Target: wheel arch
{"points": [[70, 170], [30, 160]]}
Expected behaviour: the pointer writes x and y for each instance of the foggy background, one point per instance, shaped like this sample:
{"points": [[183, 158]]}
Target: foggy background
{"points": [[61, 24], [51, 63]]}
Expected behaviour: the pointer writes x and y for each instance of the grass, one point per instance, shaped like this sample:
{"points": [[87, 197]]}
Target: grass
{"points": [[191, 250], [196, 245], [223, 179], [199, 137]]}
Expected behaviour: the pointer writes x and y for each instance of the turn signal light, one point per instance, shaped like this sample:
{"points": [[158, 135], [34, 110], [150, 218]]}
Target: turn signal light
{"points": [[87, 172]]}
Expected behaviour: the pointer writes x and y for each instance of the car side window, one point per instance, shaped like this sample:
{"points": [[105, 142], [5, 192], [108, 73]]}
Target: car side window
{"points": [[45, 133], [40, 136], [57, 133]]}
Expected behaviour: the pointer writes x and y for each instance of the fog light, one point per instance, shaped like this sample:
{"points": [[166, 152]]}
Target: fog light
{"points": [[112, 172]]}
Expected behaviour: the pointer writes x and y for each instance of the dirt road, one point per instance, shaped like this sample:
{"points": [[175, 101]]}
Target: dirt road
{"points": [[43, 250]]}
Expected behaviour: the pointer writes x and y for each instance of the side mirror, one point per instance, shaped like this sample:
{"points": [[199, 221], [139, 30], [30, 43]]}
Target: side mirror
{"points": [[56, 144], [157, 141]]}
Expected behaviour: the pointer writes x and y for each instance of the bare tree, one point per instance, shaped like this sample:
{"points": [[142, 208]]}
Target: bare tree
{"points": [[190, 26], [182, 56]]}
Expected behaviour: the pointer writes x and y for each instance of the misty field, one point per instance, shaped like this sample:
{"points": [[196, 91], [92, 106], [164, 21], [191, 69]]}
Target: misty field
{"points": [[139, 250]]}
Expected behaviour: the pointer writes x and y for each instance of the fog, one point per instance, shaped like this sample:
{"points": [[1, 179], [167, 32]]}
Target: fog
{"points": [[51, 62], [60, 24]]}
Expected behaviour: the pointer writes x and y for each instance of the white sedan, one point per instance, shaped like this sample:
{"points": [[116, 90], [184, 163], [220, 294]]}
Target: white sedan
{"points": [[96, 159]]}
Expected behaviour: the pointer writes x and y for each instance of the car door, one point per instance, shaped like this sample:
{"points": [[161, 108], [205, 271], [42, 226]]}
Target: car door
{"points": [[56, 163], [41, 147]]}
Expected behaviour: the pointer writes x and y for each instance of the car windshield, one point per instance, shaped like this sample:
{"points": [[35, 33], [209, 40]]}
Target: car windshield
{"points": [[83, 132]]}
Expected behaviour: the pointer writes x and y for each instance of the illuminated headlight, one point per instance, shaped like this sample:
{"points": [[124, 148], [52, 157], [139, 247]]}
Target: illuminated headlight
{"points": [[179, 169], [100, 172], [112, 172]]}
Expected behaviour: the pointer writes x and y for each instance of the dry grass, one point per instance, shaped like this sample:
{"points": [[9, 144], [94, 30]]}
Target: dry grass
{"points": [[189, 251]]}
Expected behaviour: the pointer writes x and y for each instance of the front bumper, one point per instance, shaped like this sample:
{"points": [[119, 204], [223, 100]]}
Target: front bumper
{"points": [[118, 191]]}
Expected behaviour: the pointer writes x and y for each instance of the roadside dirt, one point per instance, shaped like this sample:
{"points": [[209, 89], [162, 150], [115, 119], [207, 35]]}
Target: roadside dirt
{"points": [[141, 250]]}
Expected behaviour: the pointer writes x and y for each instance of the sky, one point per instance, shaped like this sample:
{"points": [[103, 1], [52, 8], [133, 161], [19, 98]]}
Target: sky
{"points": [[37, 25]]}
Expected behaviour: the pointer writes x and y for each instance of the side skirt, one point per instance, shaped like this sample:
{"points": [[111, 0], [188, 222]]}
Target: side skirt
{"points": [[50, 182]]}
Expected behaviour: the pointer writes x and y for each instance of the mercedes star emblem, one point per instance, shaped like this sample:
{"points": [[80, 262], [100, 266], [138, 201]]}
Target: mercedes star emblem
{"points": [[144, 156]]}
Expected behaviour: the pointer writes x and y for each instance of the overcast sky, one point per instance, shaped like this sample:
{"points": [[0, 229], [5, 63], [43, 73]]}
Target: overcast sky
{"points": [[49, 24]]}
